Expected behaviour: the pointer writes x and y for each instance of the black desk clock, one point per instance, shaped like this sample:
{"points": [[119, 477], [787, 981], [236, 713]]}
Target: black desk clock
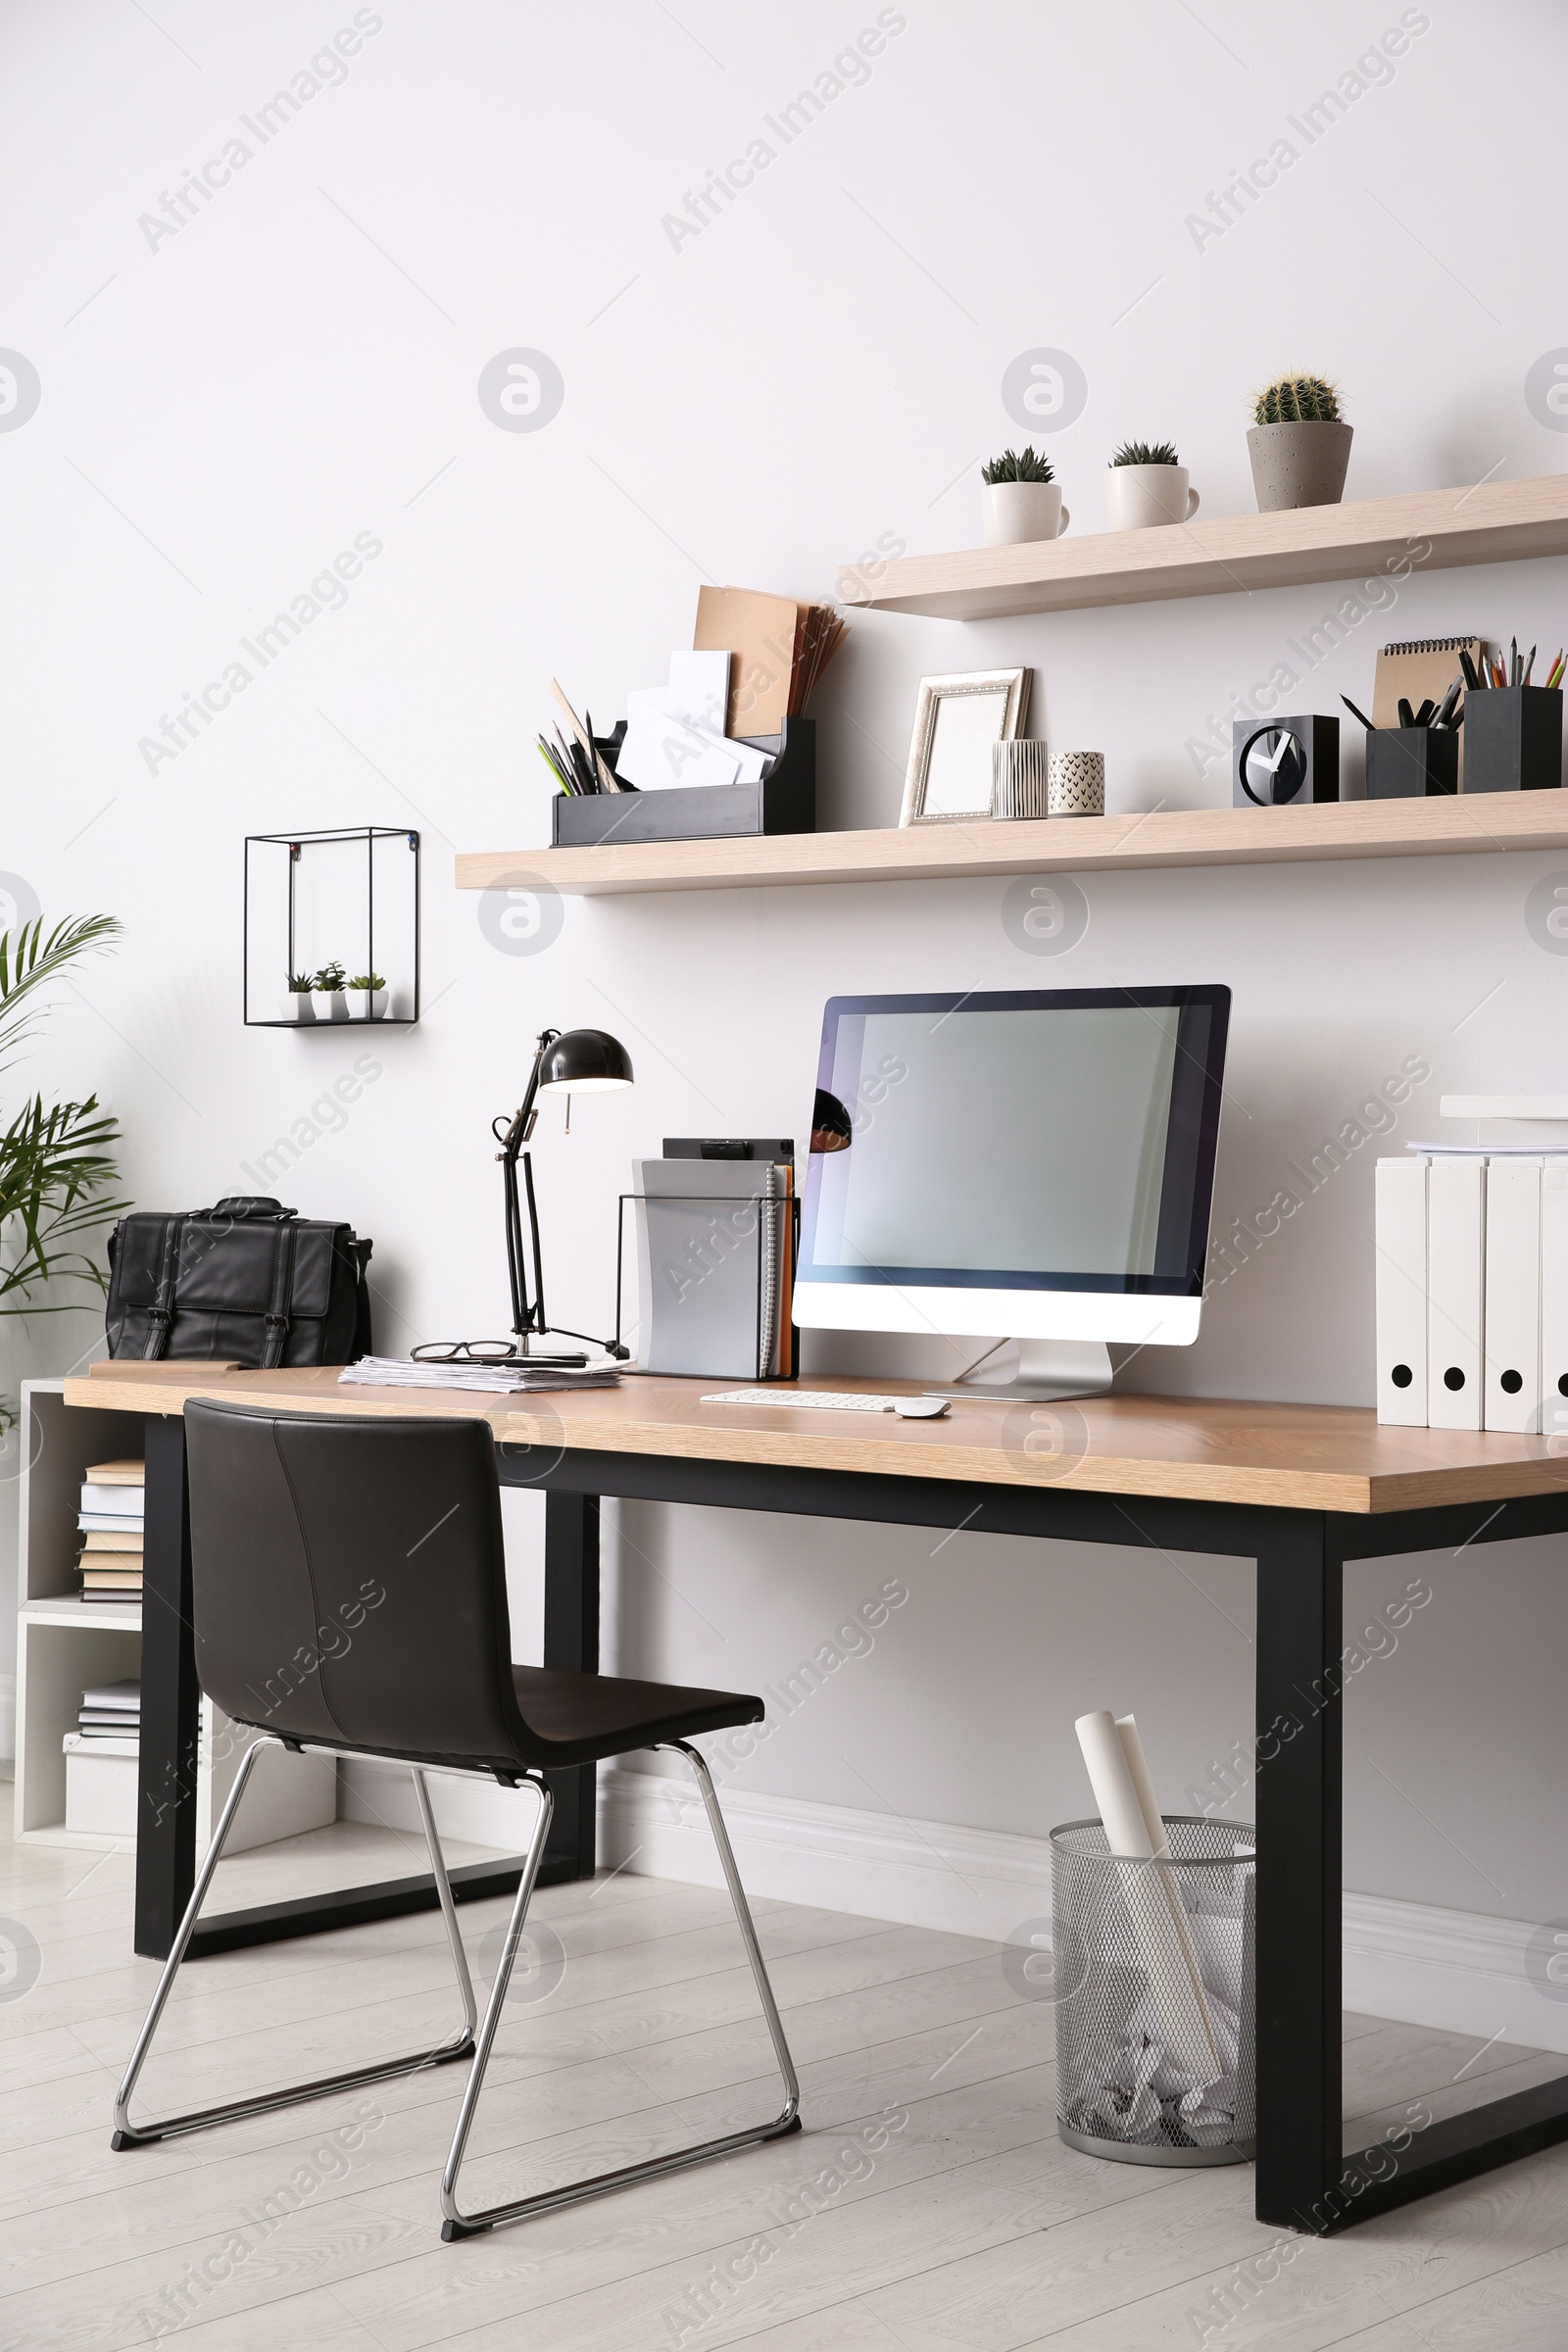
{"points": [[1285, 762]]}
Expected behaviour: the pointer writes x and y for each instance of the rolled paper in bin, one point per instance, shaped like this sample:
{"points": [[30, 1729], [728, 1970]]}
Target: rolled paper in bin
{"points": [[1154, 1899]]}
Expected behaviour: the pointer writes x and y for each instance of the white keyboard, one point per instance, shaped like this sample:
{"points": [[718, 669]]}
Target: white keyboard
{"points": [[834, 1400]]}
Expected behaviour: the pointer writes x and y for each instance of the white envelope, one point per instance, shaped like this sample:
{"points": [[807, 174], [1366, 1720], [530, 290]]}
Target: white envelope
{"points": [[661, 750], [699, 689]]}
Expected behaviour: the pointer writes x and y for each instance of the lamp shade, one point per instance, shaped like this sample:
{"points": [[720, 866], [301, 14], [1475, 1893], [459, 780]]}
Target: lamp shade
{"points": [[584, 1062]]}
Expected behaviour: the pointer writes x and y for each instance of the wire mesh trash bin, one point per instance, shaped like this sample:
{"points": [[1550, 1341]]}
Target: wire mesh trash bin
{"points": [[1155, 2025]]}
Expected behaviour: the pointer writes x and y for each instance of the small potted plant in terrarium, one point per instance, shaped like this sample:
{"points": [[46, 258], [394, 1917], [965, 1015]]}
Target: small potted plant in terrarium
{"points": [[298, 1002], [367, 995], [1021, 499], [329, 983]]}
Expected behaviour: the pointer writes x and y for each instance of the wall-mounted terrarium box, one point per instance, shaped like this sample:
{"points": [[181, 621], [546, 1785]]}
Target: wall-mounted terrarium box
{"points": [[332, 927]]}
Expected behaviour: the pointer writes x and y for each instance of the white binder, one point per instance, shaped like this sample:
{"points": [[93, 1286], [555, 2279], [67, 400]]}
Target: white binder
{"points": [[1554, 1304], [1512, 1332], [1457, 1257], [1399, 1230]]}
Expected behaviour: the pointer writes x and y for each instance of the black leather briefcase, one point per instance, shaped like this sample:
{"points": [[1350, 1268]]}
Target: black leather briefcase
{"points": [[247, 1282]]}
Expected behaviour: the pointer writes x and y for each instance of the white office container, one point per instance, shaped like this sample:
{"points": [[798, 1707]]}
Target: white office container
{"points": [[1513, 1333], [1400, 1221], [1456, 1259]]}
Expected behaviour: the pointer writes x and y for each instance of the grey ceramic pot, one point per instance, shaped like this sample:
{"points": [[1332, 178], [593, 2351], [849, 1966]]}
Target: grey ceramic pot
{"points": [[1298, 465]]}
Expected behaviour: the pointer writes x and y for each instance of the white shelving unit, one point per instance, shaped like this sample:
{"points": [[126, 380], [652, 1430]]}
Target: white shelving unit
{"points": [[64, 1643]]}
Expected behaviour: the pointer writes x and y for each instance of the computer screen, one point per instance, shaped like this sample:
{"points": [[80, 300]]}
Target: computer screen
{"points": [[1046, 1142]]}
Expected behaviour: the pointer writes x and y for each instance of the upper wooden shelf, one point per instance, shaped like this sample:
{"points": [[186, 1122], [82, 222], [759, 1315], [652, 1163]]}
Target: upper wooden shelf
{"points": [[1495, 522], [1513, 821]]}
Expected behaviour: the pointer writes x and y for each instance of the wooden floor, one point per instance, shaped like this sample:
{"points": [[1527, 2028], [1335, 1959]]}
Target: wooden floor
{"points": [[929, 2204]]}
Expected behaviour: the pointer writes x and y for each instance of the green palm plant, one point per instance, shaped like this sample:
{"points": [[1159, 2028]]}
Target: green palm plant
{"points": [[56, 1165]]}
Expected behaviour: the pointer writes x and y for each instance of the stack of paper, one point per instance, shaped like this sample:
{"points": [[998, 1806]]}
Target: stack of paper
{"points": [[676, 733], [112, 1503], [402, 1372]]}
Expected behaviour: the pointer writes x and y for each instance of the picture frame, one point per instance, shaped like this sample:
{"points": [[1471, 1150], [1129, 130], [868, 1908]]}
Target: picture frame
{"points": [[956, 720]]}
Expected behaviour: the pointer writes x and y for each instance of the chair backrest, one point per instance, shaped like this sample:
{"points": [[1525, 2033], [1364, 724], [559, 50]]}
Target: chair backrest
{"points": [[349, 1582]]}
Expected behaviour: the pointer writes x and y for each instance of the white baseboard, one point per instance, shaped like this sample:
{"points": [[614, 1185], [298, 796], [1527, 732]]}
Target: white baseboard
{"points": [[1455, 1969], [923, 1873], [7, 1715]]}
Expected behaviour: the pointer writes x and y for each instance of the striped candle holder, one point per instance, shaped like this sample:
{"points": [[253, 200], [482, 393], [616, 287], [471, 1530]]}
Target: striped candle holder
{"points": [[1019, 779]]}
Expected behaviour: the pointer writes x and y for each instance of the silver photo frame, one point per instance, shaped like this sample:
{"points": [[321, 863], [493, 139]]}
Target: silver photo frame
{"points": [[956, 720]]}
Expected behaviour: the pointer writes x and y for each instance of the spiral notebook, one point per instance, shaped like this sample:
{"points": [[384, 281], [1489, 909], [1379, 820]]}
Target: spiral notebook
{"points": [[1422, 669]]}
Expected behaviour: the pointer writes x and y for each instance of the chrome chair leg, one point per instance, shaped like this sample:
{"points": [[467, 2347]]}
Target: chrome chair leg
{"points": [[127, 2135], [458, 2223]]}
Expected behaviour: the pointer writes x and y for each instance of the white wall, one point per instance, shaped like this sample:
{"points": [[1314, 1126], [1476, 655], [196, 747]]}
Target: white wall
{"points": [[817, 370]]}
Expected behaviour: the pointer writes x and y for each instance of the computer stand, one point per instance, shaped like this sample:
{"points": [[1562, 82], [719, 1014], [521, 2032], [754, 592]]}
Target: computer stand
{"points": [[1047, 1371]]}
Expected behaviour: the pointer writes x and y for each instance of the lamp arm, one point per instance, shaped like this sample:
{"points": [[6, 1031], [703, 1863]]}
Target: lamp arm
{"points": [[543, 1320], [526, 1318]]}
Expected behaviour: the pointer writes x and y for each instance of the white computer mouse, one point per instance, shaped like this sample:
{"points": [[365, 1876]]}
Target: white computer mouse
{"points": [[920, 1409]]}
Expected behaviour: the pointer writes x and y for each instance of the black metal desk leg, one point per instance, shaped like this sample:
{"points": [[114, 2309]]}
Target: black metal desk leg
{"points": [[571, 1641], [1299, 1794], [171, 1698]]}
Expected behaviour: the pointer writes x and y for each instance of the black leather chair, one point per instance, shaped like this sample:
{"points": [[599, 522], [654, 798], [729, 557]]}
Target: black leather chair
{"points": [[349, 1595]]}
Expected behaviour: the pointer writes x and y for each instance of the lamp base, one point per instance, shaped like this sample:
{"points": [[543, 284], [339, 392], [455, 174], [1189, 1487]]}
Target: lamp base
{"points": [[524, 1354]]}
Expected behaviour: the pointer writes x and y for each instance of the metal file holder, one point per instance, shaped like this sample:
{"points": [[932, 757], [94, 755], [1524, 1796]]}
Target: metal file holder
{"points": [[757, 1201], [1100, 1984]]}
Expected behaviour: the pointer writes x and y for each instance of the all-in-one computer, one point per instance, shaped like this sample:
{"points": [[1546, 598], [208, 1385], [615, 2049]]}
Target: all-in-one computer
{"points": [[1029, 1165]]}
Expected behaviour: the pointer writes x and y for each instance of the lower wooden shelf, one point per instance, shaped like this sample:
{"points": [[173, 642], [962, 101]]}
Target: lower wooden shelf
{"points": [[1466, 824]]}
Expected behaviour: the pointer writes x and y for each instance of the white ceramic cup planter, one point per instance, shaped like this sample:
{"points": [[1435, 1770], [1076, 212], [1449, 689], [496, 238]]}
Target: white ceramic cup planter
{"points": [[1140, 498], [299, 1004], [366, 1004], [334, 1003], [1012, 514]]}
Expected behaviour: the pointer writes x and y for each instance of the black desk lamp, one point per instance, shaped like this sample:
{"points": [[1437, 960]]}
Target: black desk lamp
{"points": [[583, 1061]]}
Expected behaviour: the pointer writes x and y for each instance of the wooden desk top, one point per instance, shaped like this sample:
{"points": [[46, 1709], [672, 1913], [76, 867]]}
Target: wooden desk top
{"points": [[1294, 1457]]}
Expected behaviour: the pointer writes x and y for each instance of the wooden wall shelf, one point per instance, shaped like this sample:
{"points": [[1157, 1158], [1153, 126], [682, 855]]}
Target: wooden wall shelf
{"points": [[1173, 837], [1493, 522]]}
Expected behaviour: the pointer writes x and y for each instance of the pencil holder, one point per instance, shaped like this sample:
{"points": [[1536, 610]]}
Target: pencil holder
{"points": [[1152, 1980], [1017, 779], [1513, 739], [1075, 784], [1404, 764]]}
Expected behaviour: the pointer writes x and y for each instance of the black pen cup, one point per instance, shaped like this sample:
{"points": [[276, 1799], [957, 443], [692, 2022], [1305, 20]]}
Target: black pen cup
{"points": [[1409, 764], [1513, 739]]}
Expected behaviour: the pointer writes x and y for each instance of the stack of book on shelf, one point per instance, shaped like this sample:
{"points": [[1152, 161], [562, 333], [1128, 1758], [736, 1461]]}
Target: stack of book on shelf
{"points": [[113, 1500], [109, 1719], [101, 1761]]}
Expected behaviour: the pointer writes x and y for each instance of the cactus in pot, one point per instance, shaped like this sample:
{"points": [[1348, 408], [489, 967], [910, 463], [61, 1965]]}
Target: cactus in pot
{"points": [[1300, 444]]}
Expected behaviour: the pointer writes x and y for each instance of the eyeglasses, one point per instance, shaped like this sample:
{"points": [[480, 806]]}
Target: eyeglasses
{"points": [[464, 1351]]}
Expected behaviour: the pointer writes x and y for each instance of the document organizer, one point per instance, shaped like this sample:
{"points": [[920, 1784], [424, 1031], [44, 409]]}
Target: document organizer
{"points": [[784, 802], [717, 1276]]}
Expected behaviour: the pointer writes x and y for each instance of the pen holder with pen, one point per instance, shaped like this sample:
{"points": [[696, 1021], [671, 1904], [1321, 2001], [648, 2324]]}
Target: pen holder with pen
{"points": [[1513, 739], [1405, 763], [784, 802]]}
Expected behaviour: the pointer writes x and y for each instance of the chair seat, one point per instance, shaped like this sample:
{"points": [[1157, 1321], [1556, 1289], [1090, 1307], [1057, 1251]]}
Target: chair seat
{"points": [[585, 1717]]}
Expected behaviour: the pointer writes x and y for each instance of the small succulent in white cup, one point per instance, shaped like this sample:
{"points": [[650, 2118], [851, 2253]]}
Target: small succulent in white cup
{"points": [[298, 1002], [329, 983], [367, 995], [1145, 486], [1020, 500]]}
